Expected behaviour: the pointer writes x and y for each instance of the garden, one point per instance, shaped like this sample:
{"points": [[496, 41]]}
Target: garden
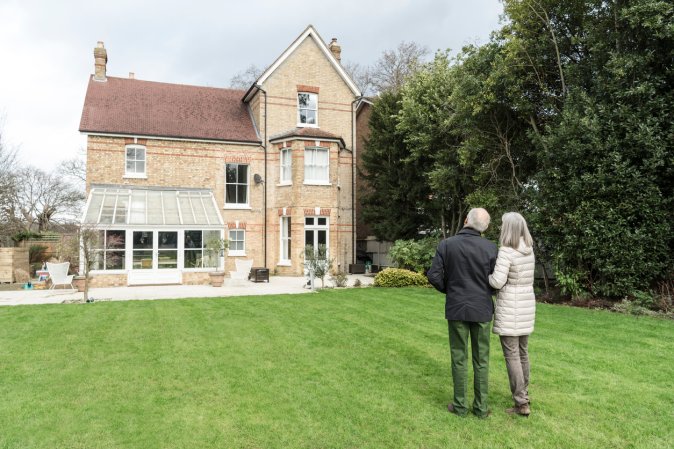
{"points": [[361, 367]]}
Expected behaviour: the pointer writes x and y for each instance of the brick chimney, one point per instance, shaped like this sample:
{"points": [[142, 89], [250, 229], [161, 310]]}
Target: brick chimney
{"points": [[335, 49], [101, 59]]}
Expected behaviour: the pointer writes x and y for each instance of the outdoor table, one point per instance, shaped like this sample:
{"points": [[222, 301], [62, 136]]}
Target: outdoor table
{"points": [[259, 274]]}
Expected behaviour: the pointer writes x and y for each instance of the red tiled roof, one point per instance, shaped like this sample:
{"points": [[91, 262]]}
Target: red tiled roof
{"points": [[136, 107], [306, 132]]}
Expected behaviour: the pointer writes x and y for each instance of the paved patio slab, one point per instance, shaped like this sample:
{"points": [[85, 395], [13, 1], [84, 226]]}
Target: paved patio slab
{"points": [[277, 285]]}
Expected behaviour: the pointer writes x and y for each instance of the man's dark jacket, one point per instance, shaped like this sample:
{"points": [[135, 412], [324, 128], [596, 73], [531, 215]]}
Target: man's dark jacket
{"points": [[461, 269]]}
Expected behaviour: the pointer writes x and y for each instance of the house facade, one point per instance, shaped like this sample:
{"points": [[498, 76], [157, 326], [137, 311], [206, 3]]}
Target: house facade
{"points": [[271, 169]]}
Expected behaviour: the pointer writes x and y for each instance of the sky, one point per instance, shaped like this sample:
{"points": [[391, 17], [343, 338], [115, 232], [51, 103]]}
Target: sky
{"points": [[46, 49]]}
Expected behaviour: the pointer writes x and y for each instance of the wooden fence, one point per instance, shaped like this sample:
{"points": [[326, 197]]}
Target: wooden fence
{"points": [[10, 260]]}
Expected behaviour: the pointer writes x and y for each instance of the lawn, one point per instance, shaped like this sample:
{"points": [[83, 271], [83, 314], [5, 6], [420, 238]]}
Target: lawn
{"points": [[358, 368]]}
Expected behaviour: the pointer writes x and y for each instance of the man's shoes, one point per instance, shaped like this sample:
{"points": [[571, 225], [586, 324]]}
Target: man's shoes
{"points": [[522, 410], [451, 409]]}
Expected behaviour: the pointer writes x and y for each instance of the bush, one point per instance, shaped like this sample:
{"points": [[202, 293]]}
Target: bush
{"points": [[414, 255], [36, 253], [357, 283], [399, 277], [339, 278]]}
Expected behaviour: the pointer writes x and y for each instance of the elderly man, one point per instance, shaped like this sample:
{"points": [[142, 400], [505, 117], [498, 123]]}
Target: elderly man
{"points": [[461, 269]]}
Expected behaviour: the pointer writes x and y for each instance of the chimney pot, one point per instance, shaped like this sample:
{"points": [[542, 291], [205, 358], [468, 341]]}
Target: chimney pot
{"points": [[132, 75], [100, 62], [336, 49]]}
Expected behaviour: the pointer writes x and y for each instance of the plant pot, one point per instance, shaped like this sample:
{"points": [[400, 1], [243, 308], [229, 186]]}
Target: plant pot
{"points": [[217, 278], [79, 282]]}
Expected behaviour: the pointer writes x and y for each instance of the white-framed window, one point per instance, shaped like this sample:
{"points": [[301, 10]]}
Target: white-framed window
{"points": [[316, 232], [237, 242], [316, 166], [286, 166], [236, 185], [196, 254], [307, 109], [111, 252], [286, 240], [135, 161]]}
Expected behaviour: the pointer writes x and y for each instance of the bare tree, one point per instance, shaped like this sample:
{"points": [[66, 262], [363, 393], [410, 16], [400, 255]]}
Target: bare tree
{"points": [[74, 169], [395, 66], [245, 78], [361, 76], [8, 184], [42, 198]]}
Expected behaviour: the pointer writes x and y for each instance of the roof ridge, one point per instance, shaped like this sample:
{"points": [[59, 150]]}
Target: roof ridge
{"points": [[177, 84]]}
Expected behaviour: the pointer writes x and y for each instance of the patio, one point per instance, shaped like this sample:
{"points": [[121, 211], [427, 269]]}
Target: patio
{"points": [[276, 285]]}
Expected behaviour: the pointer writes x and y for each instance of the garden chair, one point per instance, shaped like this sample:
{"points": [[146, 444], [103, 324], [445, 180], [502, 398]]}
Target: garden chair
{"points": [[58, 273], [242, 270]]}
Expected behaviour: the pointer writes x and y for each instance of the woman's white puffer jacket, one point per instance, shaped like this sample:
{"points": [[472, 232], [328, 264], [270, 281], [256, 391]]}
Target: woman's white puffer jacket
{"points": [[515, 303]]}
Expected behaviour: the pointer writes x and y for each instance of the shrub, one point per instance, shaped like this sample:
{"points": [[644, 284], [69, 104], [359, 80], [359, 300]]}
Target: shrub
{"points": [[399, 277], [414, 255], [357, 283], [36, 253]]}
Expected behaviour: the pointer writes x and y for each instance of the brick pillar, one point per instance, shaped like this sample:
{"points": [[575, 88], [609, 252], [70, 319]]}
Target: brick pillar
{"points": [[100, 62]]}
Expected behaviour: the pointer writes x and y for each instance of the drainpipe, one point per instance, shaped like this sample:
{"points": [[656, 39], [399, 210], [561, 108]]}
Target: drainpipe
{"points": [[353, 179], [264, 146]]}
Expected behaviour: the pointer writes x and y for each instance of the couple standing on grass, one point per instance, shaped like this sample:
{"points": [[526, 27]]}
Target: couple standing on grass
{"points": [[466, 268]]}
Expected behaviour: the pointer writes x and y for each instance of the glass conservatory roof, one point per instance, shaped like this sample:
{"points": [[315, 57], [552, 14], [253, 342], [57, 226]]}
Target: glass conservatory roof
{"points": [[114, 206]]}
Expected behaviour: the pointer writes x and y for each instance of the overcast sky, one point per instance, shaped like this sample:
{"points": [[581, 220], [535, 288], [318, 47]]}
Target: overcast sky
{"points": [[46, 48]]}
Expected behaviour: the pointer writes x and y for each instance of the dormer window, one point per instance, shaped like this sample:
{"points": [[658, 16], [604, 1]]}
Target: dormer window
{"points": [[307, 109], [135, 161]]}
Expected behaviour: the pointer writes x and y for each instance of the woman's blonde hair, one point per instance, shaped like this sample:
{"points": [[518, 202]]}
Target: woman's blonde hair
{"points": [[513, 228]]}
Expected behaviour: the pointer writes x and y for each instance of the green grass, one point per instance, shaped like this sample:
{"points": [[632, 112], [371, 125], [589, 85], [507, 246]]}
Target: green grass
{"points": [[358, 368]]}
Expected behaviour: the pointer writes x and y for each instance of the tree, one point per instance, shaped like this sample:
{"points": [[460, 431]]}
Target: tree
{"points": [[41, 198], [318, 261], [245, 78], [398, 191], [394, 67], [9, 224]]}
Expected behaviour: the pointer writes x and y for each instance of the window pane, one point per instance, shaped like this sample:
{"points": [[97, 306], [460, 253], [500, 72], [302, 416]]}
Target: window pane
{"points": [[309, 221], [310, 117], [130, 166], [303, 100], [231, 173], [167, 259], [94, 208], [140, 167], [115, 260], [137, 208], [243, 174], [130, 154], [231, 194], [193, 258], [322, 237], [98, 260], [115, 239], [242, 195], [168, 240], [322, 221], [193, 239], [142, 240], [155, 213], [142, 260], [122, 209], [309, 237], [303, 116], [140, 154], [210, 235]]}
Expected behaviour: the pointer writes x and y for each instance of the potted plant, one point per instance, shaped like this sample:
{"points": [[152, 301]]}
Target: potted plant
{"points": [[216, 248]]}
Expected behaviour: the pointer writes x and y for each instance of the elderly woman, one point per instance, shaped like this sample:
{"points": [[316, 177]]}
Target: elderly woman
{"points": [[515, 305]]}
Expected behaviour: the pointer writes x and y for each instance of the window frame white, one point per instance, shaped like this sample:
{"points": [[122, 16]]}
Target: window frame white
{"points": [[286, 152], [236, 252], [318, 227], [325, 181], [285, 235], [135, 160], [245, 205], [299, 108]]}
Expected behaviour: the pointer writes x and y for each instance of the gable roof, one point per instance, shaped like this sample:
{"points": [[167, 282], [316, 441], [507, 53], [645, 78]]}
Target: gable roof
{"points": [[310, 31], [146, 108]]}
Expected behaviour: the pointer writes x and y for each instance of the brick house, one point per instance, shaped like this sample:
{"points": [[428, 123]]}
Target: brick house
{"points": [[270, 168]]}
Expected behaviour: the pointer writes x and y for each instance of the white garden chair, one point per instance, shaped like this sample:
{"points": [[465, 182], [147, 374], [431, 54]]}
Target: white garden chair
{"points": [[58, 273], [242, 270]]}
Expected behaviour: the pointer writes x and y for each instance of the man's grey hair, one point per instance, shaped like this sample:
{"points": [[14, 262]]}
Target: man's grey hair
{"points": [[513, 229], [478, 219]]}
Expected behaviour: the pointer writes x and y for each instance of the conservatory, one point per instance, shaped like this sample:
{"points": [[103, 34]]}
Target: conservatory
{"points": [[153, 236]]}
